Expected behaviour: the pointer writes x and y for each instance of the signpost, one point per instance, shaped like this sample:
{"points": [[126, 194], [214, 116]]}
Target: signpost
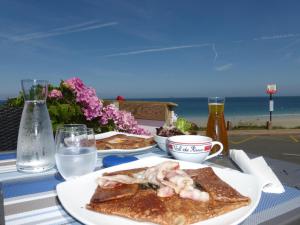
{"points": [[271, 89]]}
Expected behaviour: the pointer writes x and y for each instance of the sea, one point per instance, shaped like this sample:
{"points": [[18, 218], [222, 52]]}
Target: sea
{"points": [[234, 106]]}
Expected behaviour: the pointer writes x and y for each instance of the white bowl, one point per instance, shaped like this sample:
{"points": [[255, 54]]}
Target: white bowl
{"points": [[192, 148], [161, 142]]}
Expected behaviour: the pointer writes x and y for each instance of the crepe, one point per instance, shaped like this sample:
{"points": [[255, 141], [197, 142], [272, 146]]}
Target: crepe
{"points": [[142, 203], [122, 141], [217, 188]]}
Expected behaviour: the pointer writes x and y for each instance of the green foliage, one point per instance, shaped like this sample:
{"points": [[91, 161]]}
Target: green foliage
{"points": [[17, 101], [72, 102], [186, 126], [249, 127], [108, 127], [246, 125], [61, 111]]}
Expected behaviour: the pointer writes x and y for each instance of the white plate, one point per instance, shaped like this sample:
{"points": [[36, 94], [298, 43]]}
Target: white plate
{"points": [[121, 151], [75, 203]]}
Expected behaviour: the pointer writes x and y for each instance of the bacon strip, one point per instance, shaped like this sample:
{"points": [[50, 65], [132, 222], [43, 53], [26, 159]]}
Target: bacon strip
{"points": [[166, 175]]}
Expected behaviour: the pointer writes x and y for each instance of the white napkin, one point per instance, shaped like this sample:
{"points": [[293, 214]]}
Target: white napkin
{"points": [[259, 168]]}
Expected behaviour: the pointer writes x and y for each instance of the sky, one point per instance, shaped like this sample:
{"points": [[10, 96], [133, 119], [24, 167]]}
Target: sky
{"points": [[153, 48]]}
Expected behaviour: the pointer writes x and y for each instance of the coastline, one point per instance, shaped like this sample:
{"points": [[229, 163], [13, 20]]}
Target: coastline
{"points": [[284, 121]]}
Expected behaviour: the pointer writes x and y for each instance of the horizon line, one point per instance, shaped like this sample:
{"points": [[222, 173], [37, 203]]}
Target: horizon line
{"points": [[168, 97], [260, 96]]}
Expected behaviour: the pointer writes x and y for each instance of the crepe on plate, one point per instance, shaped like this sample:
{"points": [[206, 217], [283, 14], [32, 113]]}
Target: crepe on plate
{"points": [[164, 194], [122, 141]]}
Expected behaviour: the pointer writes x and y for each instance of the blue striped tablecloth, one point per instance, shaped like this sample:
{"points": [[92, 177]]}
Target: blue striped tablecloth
{"points": [[30, 199]]}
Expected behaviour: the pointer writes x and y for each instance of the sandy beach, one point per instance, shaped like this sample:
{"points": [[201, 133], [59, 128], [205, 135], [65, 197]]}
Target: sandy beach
{"points": [[284, 121]]}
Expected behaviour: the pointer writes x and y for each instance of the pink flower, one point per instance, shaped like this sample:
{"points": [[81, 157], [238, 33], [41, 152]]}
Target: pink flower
{"points": [[124, 121], [110, 112], [86, 97], [92, 108], [55, 94], [75, 84]]}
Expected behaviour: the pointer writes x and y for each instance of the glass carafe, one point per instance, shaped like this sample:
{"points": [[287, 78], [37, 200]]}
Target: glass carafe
{"points": [[216, 128], [36, 148]]}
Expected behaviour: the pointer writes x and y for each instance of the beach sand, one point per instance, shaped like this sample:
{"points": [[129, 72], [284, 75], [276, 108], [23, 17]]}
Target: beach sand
{"points": [[284, 121]]}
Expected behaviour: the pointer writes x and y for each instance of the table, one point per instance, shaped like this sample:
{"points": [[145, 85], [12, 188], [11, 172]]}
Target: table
{"points": [[31, 199]]}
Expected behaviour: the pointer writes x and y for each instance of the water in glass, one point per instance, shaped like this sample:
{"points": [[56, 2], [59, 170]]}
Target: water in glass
{"points": [[73, 162], [76, 152]]}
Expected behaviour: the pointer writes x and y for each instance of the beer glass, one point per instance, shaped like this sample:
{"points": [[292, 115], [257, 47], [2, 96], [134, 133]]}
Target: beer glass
{"points": [[216, 128]]}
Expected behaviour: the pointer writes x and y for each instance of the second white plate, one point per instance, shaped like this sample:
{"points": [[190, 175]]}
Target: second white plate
{"points": [[121, 151]]}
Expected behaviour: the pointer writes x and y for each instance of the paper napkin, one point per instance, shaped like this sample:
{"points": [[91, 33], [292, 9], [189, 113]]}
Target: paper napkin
{"points": [[260, 169]]}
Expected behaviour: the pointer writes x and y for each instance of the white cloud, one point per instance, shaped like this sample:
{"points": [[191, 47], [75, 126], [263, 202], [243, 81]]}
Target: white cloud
{"points": [[278, 36], [213, 46], [290, 45], [172, 48], [90, 25], [225, 67]]}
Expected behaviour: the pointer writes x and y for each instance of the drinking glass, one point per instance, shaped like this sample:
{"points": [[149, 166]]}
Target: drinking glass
{"points": [[75, 126], [71, 127], [76, 153], [216, 128]]}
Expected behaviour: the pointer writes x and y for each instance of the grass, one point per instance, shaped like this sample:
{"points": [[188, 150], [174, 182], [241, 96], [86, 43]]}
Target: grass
{"points": [[247, 127], [254, 127]]}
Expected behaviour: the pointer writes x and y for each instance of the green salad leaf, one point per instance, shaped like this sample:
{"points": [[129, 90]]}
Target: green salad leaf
{"points": [[183, 125]]}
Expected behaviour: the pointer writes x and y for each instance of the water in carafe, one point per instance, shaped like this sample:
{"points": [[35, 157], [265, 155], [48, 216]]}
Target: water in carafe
{"points": [[36, 148]]}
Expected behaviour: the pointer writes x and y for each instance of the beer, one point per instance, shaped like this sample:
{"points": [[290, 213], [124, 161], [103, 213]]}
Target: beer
{"points": [[216, 128]]}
